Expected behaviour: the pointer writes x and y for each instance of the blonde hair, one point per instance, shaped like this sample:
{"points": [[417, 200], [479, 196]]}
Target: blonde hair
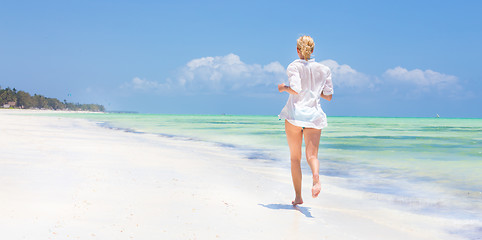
{"points": [[306, 45]]}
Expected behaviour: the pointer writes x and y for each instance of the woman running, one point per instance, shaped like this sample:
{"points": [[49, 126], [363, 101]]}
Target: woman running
{"points": [[308, 81]]}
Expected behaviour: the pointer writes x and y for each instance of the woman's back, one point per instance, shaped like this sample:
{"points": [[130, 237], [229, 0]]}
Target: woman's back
{"points": [[309, 79], [312, 80]]}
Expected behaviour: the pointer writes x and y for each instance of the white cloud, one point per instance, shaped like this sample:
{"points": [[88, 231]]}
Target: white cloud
{"points": [[229, 72], [423, 79], [274, 67], [419, 80], [345, 76], [142, 84], [217, 74]]}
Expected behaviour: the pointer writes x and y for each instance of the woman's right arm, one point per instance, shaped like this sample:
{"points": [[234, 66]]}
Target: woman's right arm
{"points": [[283, 88], [294, 79]]}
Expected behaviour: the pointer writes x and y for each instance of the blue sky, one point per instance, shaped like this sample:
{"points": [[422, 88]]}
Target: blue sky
{"points": [[388, 58]]}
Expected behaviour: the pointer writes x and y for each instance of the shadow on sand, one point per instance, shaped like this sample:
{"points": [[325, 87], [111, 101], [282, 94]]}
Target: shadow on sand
{"points": [[304, 210]]}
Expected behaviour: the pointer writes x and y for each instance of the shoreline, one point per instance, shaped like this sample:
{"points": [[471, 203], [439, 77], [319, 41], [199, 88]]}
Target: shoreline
{"points": [[69, 178], [134, 112], [19, 110]]}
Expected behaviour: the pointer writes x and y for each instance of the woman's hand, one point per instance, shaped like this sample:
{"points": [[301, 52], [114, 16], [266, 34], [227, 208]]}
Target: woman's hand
{"points": [[281, 87], [326, 97]]}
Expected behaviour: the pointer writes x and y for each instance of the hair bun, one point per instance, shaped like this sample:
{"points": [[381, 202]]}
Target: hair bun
{"points": [[306, 45]]}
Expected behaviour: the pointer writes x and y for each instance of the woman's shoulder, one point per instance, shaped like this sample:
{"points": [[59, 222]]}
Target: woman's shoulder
{"points": [[296, 62], [320, 66], [295, 66], [312, 63]]}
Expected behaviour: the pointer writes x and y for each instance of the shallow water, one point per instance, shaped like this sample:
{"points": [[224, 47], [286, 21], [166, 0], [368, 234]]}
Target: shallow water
{"points": [[427, 165]]}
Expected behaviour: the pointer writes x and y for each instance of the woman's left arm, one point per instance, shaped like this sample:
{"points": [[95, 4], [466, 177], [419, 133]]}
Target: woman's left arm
{"points": [[326, 97], [327, 92]]}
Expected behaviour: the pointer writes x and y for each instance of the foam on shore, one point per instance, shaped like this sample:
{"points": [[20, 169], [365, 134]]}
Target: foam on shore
{"points": [[71, 179]]}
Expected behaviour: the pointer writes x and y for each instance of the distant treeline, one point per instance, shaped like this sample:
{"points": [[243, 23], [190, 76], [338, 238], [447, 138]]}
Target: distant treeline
{"points": [[11, 98]]}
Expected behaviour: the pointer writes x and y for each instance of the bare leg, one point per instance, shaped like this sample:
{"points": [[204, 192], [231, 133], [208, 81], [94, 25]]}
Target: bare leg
{"points": [[294, 135], [312, 141]]}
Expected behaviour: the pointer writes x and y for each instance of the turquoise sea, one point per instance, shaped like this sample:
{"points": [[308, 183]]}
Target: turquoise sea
{"points": [[426, 165]]}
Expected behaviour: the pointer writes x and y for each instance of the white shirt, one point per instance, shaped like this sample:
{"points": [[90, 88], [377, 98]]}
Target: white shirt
{"points": [[309, 79]]}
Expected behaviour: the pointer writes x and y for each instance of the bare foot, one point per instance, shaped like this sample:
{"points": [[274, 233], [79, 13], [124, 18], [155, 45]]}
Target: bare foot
{"points": [[297, 201], [315, 190]]}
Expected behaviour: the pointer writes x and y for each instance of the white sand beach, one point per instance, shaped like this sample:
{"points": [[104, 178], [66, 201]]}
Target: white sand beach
{"points": [[63, 178]]}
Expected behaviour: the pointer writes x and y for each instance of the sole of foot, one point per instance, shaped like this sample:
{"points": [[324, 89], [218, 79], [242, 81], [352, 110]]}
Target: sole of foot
{"points": [[316, 189]]}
